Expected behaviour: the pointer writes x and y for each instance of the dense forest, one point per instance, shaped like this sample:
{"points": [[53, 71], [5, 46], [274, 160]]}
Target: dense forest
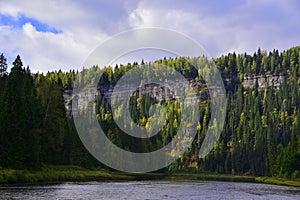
{"points": [[261, 135]]}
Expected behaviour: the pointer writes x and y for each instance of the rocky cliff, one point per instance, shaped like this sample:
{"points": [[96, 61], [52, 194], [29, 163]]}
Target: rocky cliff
{"points": [[263, 81]]}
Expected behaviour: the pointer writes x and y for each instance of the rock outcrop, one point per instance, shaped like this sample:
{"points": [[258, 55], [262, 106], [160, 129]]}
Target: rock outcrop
{"points": [[163, 92], [263, 81]]}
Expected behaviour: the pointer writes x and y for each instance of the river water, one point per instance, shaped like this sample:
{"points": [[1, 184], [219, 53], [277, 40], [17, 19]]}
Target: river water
{"points": [[151, 190]]}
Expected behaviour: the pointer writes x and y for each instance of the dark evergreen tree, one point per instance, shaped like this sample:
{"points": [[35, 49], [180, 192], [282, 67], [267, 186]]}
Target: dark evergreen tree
{"points": [[3, 66], [19, 120]]}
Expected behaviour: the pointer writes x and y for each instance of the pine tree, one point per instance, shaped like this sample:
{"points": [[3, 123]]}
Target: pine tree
{"points": [[19, 127], [3, 66], [54, 122]]}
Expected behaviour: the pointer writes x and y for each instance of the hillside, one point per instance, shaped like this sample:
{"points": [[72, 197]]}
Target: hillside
{"points": [[260, 136]]}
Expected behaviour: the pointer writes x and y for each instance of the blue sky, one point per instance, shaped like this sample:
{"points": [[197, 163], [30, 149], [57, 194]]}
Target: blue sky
{"points": [[18, 22], [51, 35]]}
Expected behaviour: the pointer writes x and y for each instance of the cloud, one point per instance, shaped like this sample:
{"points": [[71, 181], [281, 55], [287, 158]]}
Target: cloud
{"points": [[221, 27], [45, 51], [60, 34], [82, 27]]}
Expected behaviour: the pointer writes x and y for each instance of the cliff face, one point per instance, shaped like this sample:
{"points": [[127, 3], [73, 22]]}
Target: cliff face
{"points": [[161, 93], [263, 81]]}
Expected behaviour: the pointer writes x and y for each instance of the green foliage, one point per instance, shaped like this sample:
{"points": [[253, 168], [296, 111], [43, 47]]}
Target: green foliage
{"points": [[261, 135], [19, 120], [3, 66]]}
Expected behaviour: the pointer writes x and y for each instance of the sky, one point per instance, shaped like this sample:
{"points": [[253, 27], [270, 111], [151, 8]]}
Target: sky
{"points": [[60, 34]]}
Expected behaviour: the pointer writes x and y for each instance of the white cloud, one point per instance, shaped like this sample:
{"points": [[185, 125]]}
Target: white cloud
{"points": [[43, 51], [207, 31], [219, 26], [248, 26]]}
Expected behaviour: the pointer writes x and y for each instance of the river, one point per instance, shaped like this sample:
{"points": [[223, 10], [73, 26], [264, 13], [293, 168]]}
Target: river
{"points": [[151, 190]]}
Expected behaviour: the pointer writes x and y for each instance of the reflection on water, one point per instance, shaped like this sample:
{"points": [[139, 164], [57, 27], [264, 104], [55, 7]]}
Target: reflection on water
{"points": [[152, 190]]}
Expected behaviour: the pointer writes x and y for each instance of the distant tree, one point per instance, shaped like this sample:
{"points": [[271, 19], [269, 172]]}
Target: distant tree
{"points": [[19, 120], [54, 122], [3, 66], [17, 64]]}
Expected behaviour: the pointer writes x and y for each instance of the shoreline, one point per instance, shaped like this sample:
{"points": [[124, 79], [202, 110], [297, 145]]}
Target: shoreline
{"points": [[237, 178], [58, 174]]}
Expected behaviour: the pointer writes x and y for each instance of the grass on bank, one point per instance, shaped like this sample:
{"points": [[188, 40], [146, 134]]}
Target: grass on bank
{"points": [[237, 178], [49, 174], [55, 174], [212, 177], [279, 181]]}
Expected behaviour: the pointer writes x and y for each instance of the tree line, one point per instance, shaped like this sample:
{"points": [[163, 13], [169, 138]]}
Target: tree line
{"points": [[261, 135]]}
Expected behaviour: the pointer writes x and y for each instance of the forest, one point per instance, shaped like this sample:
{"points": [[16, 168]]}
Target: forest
{"points": [[261, 135]]}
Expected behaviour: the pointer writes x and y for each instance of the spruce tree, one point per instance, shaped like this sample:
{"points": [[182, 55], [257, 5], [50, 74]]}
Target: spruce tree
{"points": [[19, 127], [3, 66]]}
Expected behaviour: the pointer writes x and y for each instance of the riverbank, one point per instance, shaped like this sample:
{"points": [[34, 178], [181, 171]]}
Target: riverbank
{"points": [[57, 174], [211, 177], [236, 178], [279, 181]]}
